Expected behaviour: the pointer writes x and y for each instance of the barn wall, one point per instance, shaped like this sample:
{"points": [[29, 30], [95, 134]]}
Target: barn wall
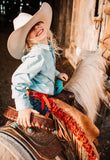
{"points": [[62, 13], [80, 23]]}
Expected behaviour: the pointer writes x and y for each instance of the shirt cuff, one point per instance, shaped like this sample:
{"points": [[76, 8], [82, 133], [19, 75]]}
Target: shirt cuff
{"points": [[57, 73], [22, 104]]}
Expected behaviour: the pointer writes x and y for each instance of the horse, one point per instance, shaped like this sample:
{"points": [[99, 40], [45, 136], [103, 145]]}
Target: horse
{"points": [[87, 82], [77, 129]]}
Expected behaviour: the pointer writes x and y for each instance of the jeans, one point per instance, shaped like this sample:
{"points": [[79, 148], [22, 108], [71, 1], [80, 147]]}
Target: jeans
{"points": [[37, 105]]}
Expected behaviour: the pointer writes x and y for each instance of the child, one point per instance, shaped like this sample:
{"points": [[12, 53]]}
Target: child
{"points": [[32, 42]]}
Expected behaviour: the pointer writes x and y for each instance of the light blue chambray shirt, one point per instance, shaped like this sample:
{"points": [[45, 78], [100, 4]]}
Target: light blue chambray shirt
{"points": [[37, 72]]}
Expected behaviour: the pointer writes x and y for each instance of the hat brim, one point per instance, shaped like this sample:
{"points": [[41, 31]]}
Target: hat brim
{"points": [[17, 39]]}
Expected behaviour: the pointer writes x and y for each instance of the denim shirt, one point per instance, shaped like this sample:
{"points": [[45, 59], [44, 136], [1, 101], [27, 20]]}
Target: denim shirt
{"points": [[37, 72]]}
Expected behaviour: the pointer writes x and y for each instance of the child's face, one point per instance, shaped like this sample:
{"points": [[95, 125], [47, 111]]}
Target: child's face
{"points": [[38, 33]]}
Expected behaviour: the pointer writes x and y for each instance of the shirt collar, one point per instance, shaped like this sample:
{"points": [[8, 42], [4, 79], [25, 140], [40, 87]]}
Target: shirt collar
{"points": [[41, 45], [44, 46]]}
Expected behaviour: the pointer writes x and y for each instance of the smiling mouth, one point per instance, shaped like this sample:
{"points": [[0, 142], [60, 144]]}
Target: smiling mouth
{"points": [[39, 32]]}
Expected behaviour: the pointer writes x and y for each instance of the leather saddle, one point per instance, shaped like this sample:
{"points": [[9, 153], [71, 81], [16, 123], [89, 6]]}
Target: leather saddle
{"points": [[39, 143], [42, 144], [39, 140]]}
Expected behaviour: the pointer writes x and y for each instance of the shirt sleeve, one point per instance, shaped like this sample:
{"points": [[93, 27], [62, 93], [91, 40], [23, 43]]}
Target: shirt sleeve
{"points": [[57, 73], [21, 80]]}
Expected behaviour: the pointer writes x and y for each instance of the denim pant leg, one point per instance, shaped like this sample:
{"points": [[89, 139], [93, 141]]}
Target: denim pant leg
{"points": [[38, 106]]}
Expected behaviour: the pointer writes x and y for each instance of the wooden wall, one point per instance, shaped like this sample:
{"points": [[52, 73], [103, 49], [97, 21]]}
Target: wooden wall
{"points": [[62, 13], [79, 24]]}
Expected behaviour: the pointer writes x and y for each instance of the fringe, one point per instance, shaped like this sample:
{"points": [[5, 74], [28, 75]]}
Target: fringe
{"points": [[65, 121]]}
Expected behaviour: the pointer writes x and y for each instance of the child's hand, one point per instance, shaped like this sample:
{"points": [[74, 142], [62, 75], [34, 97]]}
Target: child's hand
{"points": [[63, 76], [24, 117]]}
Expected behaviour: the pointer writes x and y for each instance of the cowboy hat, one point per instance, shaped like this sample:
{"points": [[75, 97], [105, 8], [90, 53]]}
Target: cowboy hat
{"points": [[22, 25]]}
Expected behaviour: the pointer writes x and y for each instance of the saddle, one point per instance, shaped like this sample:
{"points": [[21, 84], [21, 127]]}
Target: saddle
{"points": [[70, 125], [40, 144], [39, 138], [38, 121]]}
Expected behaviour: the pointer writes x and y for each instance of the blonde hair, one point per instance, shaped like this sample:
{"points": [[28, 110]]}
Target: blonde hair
{"points": [[31, 42]]}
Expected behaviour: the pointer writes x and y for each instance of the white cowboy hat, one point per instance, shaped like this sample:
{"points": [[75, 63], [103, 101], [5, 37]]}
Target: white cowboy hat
{"points": [[22, 25]]}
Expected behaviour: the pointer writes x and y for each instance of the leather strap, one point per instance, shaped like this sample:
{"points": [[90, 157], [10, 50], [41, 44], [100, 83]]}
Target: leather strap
{"points": [[105, 44], [38, 121]]}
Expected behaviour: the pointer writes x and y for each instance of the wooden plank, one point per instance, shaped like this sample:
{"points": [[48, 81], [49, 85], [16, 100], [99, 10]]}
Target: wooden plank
{"points": [[68, 22], [106, 4], [71, 50], [61, 22], [88, 29]]}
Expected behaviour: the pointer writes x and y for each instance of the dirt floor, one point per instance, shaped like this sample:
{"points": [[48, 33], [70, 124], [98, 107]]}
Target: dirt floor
{"points": [[8, 66]]}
